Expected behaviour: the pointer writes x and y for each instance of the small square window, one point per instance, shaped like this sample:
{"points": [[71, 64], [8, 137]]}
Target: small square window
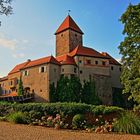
{"points": [[80, 61], [103, 63], [75, 70], [88, 61], [120, 69], [61, 35], [25, 73], [112, 67], [96, 62]]}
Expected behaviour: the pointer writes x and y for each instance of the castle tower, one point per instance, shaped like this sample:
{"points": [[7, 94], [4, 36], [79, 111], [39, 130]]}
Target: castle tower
{"points": [[68, 36]]}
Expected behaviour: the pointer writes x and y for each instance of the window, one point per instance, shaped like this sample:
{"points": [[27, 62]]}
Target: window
{"points": [[75, 35], [75, 70], [80, 61], [81, 71], [11, 83], [25, 73], [62, 70], [96, 62], [42, 69], [103, 63], [61, 35], [112, 68], [120, 69], [88, 61]]}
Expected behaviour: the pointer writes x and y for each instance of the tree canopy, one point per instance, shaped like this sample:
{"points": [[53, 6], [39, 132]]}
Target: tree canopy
{"points": [[130, 50], [5, 7]]}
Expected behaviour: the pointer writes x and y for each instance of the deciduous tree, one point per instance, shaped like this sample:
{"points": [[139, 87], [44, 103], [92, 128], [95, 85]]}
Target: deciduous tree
{"points": [[130, 50], [5, 7]]}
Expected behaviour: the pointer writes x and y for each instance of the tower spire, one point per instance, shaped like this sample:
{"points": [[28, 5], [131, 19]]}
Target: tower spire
{"points": [[69, 12]]}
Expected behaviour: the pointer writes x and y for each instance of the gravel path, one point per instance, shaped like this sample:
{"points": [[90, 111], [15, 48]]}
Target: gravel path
{"points": [[10, 131]]}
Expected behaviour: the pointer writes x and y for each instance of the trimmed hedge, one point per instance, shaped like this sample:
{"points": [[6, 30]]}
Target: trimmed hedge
{"points": [[58, 108]]}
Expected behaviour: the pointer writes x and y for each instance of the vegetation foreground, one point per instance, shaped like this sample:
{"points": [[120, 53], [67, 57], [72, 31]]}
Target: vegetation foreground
{"points": [[76, 116]]}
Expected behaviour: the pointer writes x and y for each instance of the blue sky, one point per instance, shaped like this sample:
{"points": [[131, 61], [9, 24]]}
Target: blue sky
{"points": [[29, 32]]}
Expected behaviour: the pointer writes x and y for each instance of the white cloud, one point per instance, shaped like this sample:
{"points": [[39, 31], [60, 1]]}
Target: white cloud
{"points": [[19, 55], [8, 43]]}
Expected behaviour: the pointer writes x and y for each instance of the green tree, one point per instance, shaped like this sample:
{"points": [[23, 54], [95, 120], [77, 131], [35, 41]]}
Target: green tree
{"points": [[5, 7], [89, 93], [130, 50], [20, 87], [53, 95], [68, 89]]}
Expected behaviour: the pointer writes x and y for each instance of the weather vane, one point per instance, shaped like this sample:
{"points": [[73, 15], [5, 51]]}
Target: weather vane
{"points": [[69, 12]]}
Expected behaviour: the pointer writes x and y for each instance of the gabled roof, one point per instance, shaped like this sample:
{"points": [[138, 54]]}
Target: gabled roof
{"points": [[111, 59], [68, 23], [18, 67], [84, 51], [66, 60], [44, 60]]}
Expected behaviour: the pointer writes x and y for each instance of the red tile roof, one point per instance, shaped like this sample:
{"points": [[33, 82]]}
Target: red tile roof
{"points": [[66, 60], [44, 60], [18, 67], [68, 23], [111, 59], [84, 51]]}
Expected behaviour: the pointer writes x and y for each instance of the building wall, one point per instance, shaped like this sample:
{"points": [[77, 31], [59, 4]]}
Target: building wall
{"points": [[100, 73], [37, 81], [75, 39], [66, 41], [115, 71]]}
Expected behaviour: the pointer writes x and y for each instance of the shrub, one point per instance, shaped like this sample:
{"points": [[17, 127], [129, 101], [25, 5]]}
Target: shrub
{"points": [[103, 110], [128, 122], [17, 117], [78, 121]]}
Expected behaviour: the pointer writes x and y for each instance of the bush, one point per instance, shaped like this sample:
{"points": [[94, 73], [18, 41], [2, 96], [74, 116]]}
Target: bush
{"points": [[128, 122], [17, 117], [78, 121]]}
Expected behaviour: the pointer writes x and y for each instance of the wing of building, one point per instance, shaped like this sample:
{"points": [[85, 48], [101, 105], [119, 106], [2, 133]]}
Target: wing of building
{"points": [[72, 58]]}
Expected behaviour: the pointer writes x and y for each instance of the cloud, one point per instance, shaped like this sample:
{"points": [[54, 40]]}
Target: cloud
{"points": [[8, 43], [19, 55]]}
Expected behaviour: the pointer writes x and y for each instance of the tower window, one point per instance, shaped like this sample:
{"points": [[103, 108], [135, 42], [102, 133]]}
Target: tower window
{"points": [[112, 68], [96, 62]]}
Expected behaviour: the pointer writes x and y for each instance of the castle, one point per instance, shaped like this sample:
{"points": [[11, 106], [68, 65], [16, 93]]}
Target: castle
{"points": [[72, 58]]}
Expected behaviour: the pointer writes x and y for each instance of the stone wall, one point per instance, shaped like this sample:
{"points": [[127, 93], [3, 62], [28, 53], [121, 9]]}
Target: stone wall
{"points": [[66, 41]]}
